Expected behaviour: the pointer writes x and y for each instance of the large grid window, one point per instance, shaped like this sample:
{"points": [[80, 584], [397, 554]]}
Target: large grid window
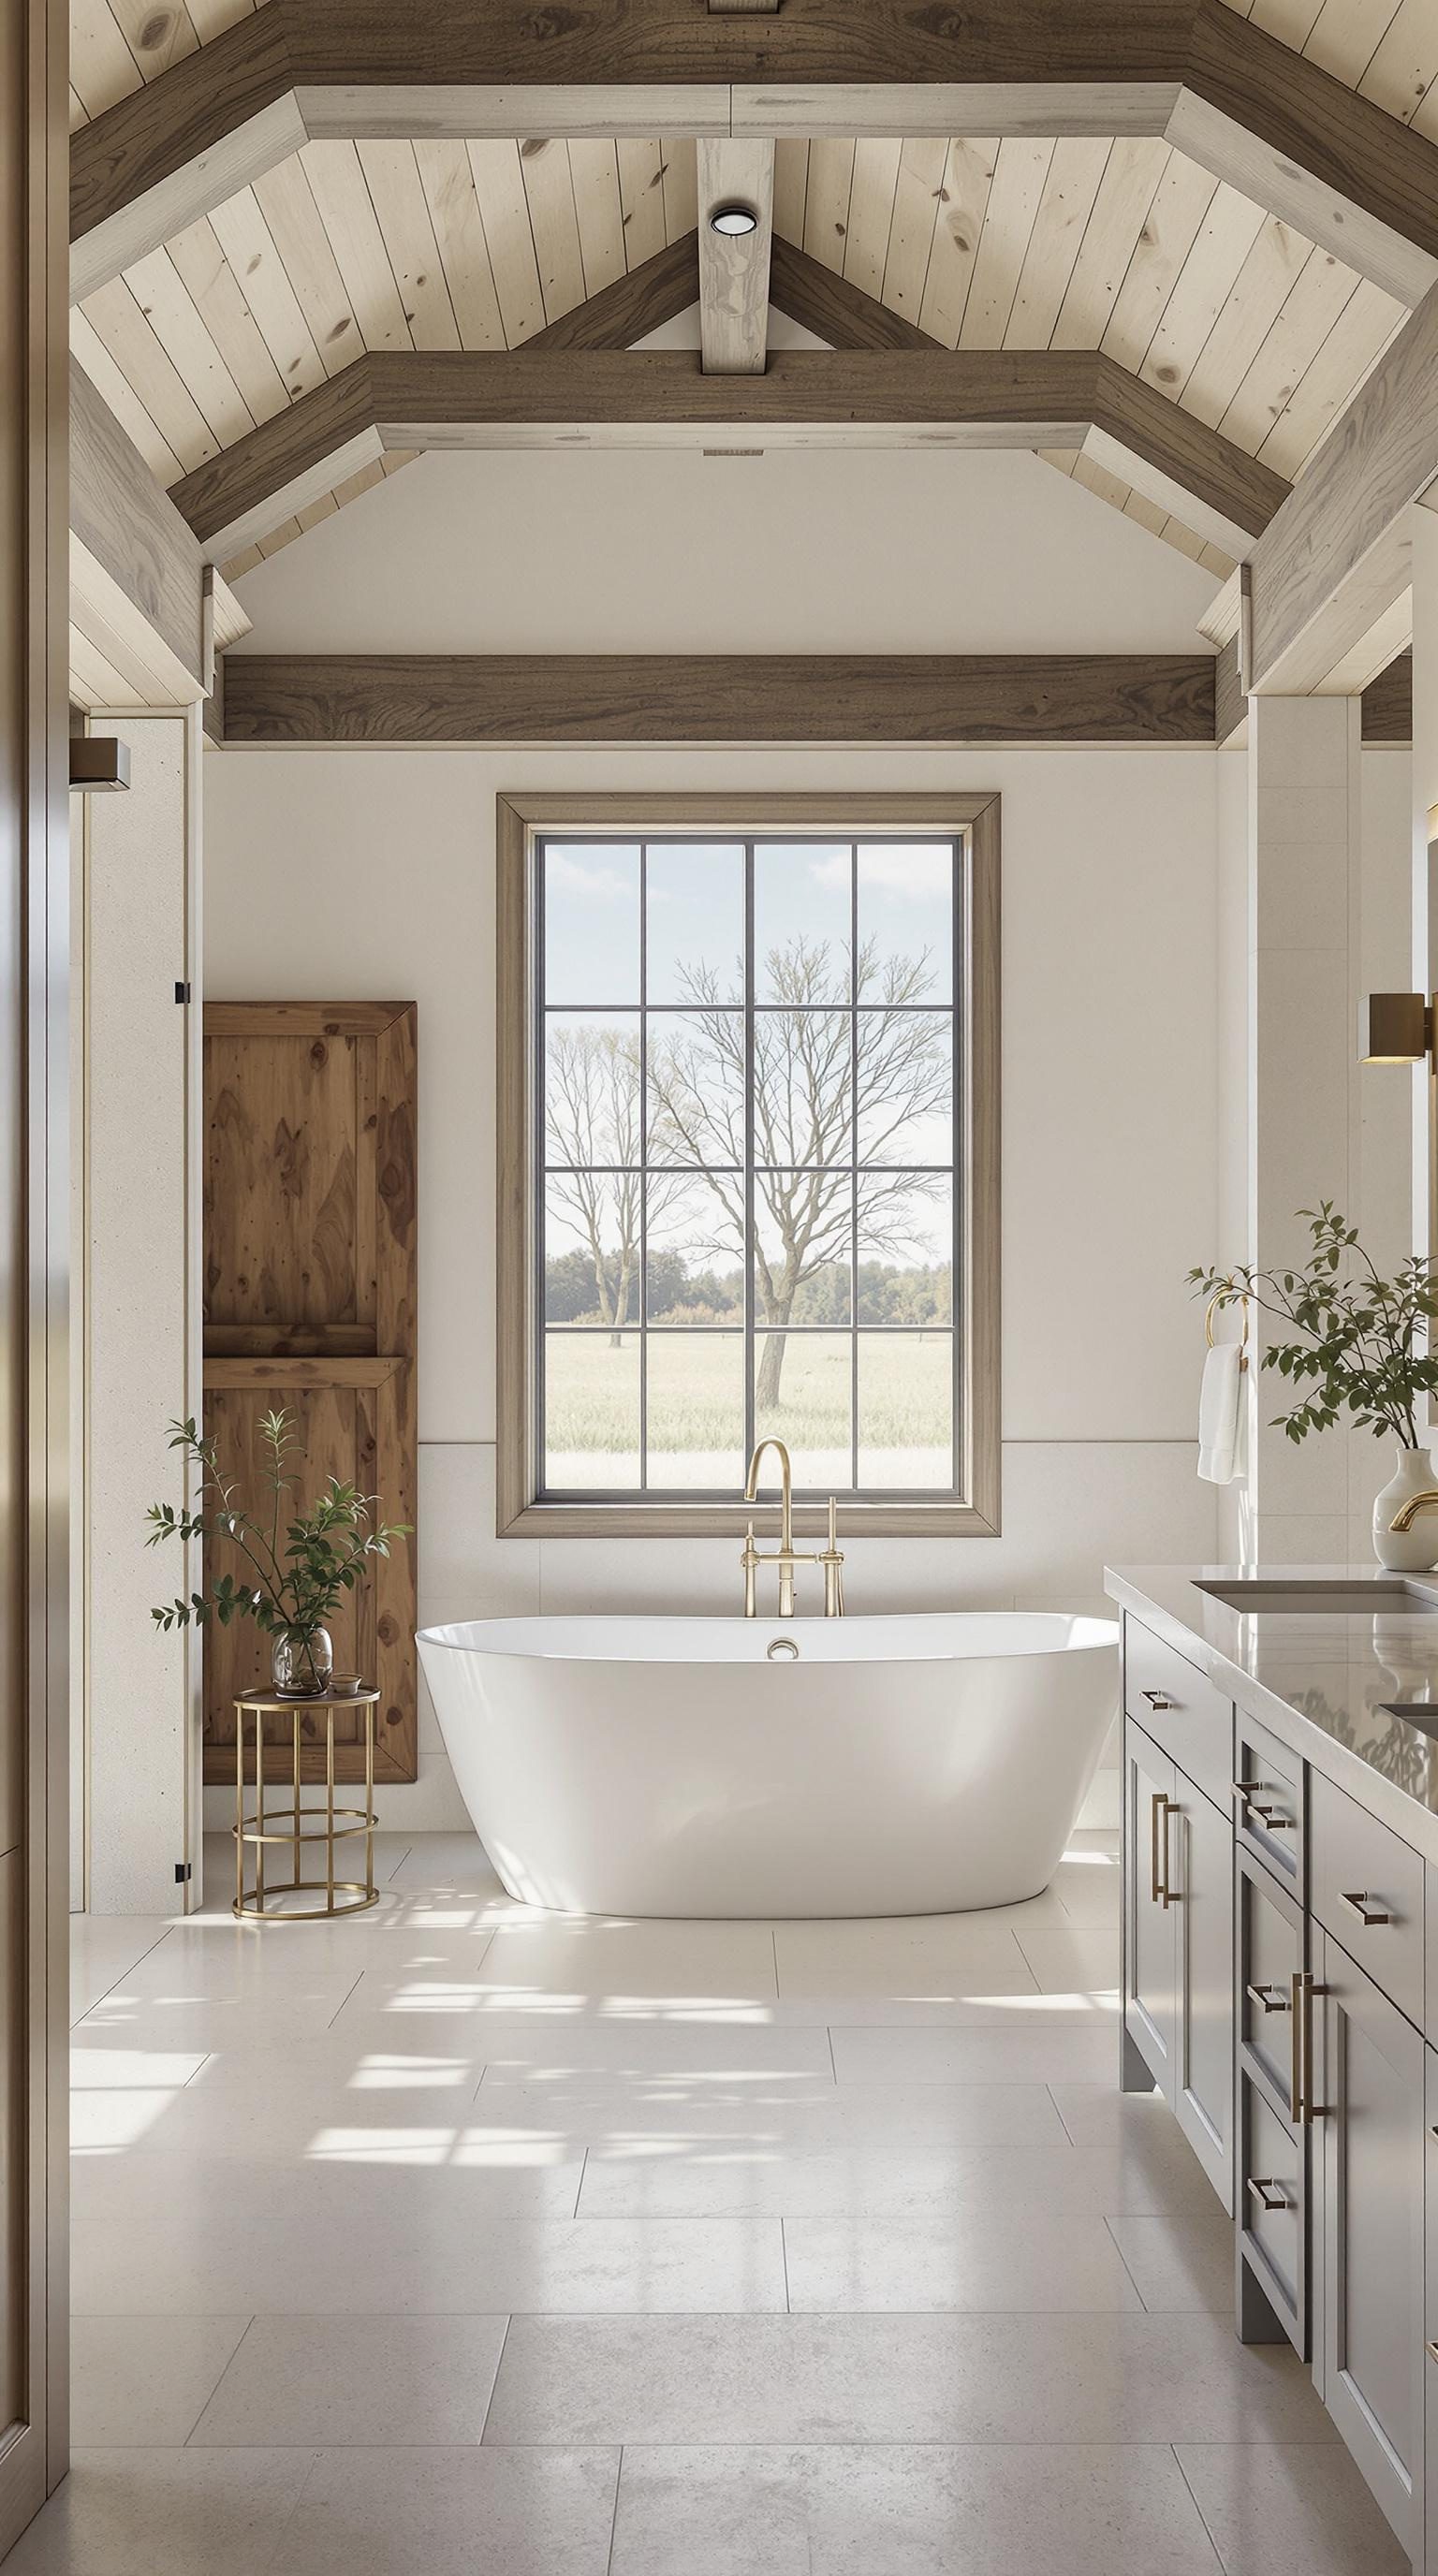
{"points": [[749, 1114]]}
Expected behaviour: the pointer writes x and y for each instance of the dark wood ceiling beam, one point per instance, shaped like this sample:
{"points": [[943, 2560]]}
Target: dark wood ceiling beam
{"points": [[634, 305], [762, 697], [1249, 109], [533, 396]]}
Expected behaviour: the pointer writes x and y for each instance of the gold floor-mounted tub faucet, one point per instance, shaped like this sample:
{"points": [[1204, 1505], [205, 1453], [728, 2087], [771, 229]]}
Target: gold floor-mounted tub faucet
{"points": [[1416, 1503], [784, 1557]]}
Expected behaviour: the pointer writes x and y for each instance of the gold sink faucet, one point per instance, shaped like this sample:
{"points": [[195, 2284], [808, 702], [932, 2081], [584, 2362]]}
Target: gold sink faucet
{"points": [[1416, 1503], [784, 1558]]}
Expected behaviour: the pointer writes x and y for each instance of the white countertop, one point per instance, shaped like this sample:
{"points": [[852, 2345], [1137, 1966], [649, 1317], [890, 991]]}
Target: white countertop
{"points": [[1321, 1679]]}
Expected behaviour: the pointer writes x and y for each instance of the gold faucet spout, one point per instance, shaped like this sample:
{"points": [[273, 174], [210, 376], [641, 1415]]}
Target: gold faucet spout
{"points": [[786, 1490], [1416, 1503]]}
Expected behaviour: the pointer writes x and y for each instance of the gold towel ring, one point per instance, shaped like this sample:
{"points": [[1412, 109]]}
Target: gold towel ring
{"points": [[1208, 1316]]}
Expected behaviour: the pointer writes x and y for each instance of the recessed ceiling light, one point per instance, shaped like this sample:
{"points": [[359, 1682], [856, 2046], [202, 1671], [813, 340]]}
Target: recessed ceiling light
{"points": [[733, 220]]}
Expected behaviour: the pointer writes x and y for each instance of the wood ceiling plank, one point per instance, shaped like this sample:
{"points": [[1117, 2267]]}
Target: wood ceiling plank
{"points": [[391, 175], [968, 178], [326, 507], [1290, 21], [77, 110], [549, 189], [1346, 34], [681, 185], [116, 391], [215, 292], [287, 203], [1259, 293], [1018, 185], [102, 67], [117, 318], [1221, 495], [210, 18], [826, 201], [1405, 61], [830, 697], [594, 176], [448, 183], [250, 247], [918, 197], [1131, 177], [734, 273], [95, 682], [347, 211], [504, 209], [1309, 313], [1071, 189], [641, 197], [167, 306], [871, 210], [1368, 322], [791, 180], [1202, 289], [1170, 229], [158, 33], [833, 309]]}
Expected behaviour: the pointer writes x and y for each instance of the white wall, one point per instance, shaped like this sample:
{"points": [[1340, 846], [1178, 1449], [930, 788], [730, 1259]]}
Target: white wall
{"points": [[372, 872]]}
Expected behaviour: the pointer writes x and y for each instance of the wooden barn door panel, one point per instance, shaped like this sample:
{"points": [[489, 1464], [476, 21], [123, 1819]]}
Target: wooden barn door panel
{"points": [[310, 1237]]}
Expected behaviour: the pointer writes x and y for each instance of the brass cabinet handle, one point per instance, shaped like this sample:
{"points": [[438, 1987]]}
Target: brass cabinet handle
{"points": [[1159, 1810], [1295, 2060], [1269, 1999], [1270, 2193], [1274, 1818], [1159, 1699], [1432, 2351], [1365, 1909], [1304, 2110]]}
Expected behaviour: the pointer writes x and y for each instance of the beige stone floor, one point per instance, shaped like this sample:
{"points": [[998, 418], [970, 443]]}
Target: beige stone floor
{"points": [[464, 2240]]}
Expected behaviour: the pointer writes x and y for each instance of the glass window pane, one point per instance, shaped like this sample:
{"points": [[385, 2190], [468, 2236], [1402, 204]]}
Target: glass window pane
{"points": [[591, 922], [591, 1248], [906, 1249], [906, 921], [591, 1411], [696, 1087], [695, 1250], [906, 1409], [803, 1247], [803, 1087], [803, 921], [694, 921], [695, 1410], [906, 1089], [591, 1088], [802, 1396]]}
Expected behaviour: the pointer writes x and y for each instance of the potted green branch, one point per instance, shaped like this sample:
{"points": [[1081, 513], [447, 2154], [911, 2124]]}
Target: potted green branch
{"points": [[300, 1567], [1356, 1344]]}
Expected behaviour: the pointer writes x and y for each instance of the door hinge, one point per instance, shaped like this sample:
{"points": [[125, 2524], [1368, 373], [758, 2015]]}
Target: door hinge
{"points": [[182, 992], [182, 1872]]}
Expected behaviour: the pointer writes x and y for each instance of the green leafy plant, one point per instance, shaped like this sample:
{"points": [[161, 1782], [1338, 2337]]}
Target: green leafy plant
{"points": [[1358, 1343], [302, 1566]]}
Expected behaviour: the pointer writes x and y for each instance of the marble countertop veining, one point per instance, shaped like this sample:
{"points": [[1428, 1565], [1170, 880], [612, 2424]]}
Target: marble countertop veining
{"points": [[1323, 1680]]}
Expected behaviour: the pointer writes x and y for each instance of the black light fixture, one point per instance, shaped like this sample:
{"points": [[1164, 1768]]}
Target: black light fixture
{"points": [[733, 221], [99, 764], [1394, 1028]]}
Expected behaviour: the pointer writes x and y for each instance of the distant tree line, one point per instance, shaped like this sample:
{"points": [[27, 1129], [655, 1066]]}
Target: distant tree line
{"points": [[887, 1295]]}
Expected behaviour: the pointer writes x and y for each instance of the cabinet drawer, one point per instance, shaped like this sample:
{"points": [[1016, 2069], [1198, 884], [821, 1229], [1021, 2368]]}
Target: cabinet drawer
{"points": [[1366, 1888], [1273, 2208], [1430, 2182], [1270, 1956], [1170, 1699], [1270, 1802]]}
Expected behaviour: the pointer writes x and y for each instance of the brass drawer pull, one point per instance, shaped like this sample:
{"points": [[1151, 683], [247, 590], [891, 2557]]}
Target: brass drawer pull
{"points": [[1159, 1699], [1160, 1809], [1302, 2109], [1363, 1906], [1271, 2194], [1275, 1818], [1432, 2351], [1269, 1999]]}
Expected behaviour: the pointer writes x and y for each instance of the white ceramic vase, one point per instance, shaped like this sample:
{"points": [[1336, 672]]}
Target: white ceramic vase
{"points": [[1410, 1551]]}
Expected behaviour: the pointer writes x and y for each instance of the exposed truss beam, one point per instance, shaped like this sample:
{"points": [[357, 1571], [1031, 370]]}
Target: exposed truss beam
{"points": [[734, 173], [1253, 112], [661, 397], [721, 697]]}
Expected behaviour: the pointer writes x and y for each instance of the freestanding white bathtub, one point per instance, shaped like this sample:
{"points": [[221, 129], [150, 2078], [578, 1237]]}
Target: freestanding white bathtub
{"points": [[914, 1765]]}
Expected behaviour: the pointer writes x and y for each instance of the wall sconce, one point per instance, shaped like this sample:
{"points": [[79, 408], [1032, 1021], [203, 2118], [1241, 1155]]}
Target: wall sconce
{"points": [[99, 764], [1394, 1028]]}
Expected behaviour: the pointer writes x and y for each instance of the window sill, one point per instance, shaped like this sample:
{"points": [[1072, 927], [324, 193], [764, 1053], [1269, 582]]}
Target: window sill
{"points": [[945, 1518]]}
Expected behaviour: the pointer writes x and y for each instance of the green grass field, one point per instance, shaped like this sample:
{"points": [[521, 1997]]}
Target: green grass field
{"points": [[696, 1409]]}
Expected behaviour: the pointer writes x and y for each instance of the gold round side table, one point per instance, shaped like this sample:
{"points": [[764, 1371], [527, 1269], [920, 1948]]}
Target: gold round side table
{"points": [[327, 1824]]}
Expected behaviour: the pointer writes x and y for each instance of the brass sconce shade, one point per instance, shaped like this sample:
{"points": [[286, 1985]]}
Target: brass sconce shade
{"points": [[1394, 1028]]}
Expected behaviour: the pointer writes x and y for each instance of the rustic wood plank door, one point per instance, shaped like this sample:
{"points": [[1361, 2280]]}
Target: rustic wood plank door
{"points": [[310, 1283]]}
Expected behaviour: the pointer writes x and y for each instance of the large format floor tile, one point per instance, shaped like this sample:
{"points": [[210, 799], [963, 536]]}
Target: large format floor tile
{"points": [[1032, 2259], [1035, 2052], [874, 2511], [145, 2381], [465, 2512], [1283, 2510], [103, 1949], [1104, 2379], [370, 2380], [857, 2177], [164, 2513]]}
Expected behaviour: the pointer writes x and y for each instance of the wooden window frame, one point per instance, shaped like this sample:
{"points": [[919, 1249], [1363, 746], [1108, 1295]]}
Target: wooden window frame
{"points": [[520, 822]]}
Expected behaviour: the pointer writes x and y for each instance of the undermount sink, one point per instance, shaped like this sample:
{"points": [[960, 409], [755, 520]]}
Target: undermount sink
{"points": [[1315, 1595]]}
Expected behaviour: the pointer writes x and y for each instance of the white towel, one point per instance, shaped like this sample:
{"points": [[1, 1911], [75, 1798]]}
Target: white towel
{"points": [[1223, 1416]]}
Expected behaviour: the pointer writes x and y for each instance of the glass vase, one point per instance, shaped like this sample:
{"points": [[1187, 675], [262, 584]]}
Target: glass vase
{"points": [[302, 1662]]}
